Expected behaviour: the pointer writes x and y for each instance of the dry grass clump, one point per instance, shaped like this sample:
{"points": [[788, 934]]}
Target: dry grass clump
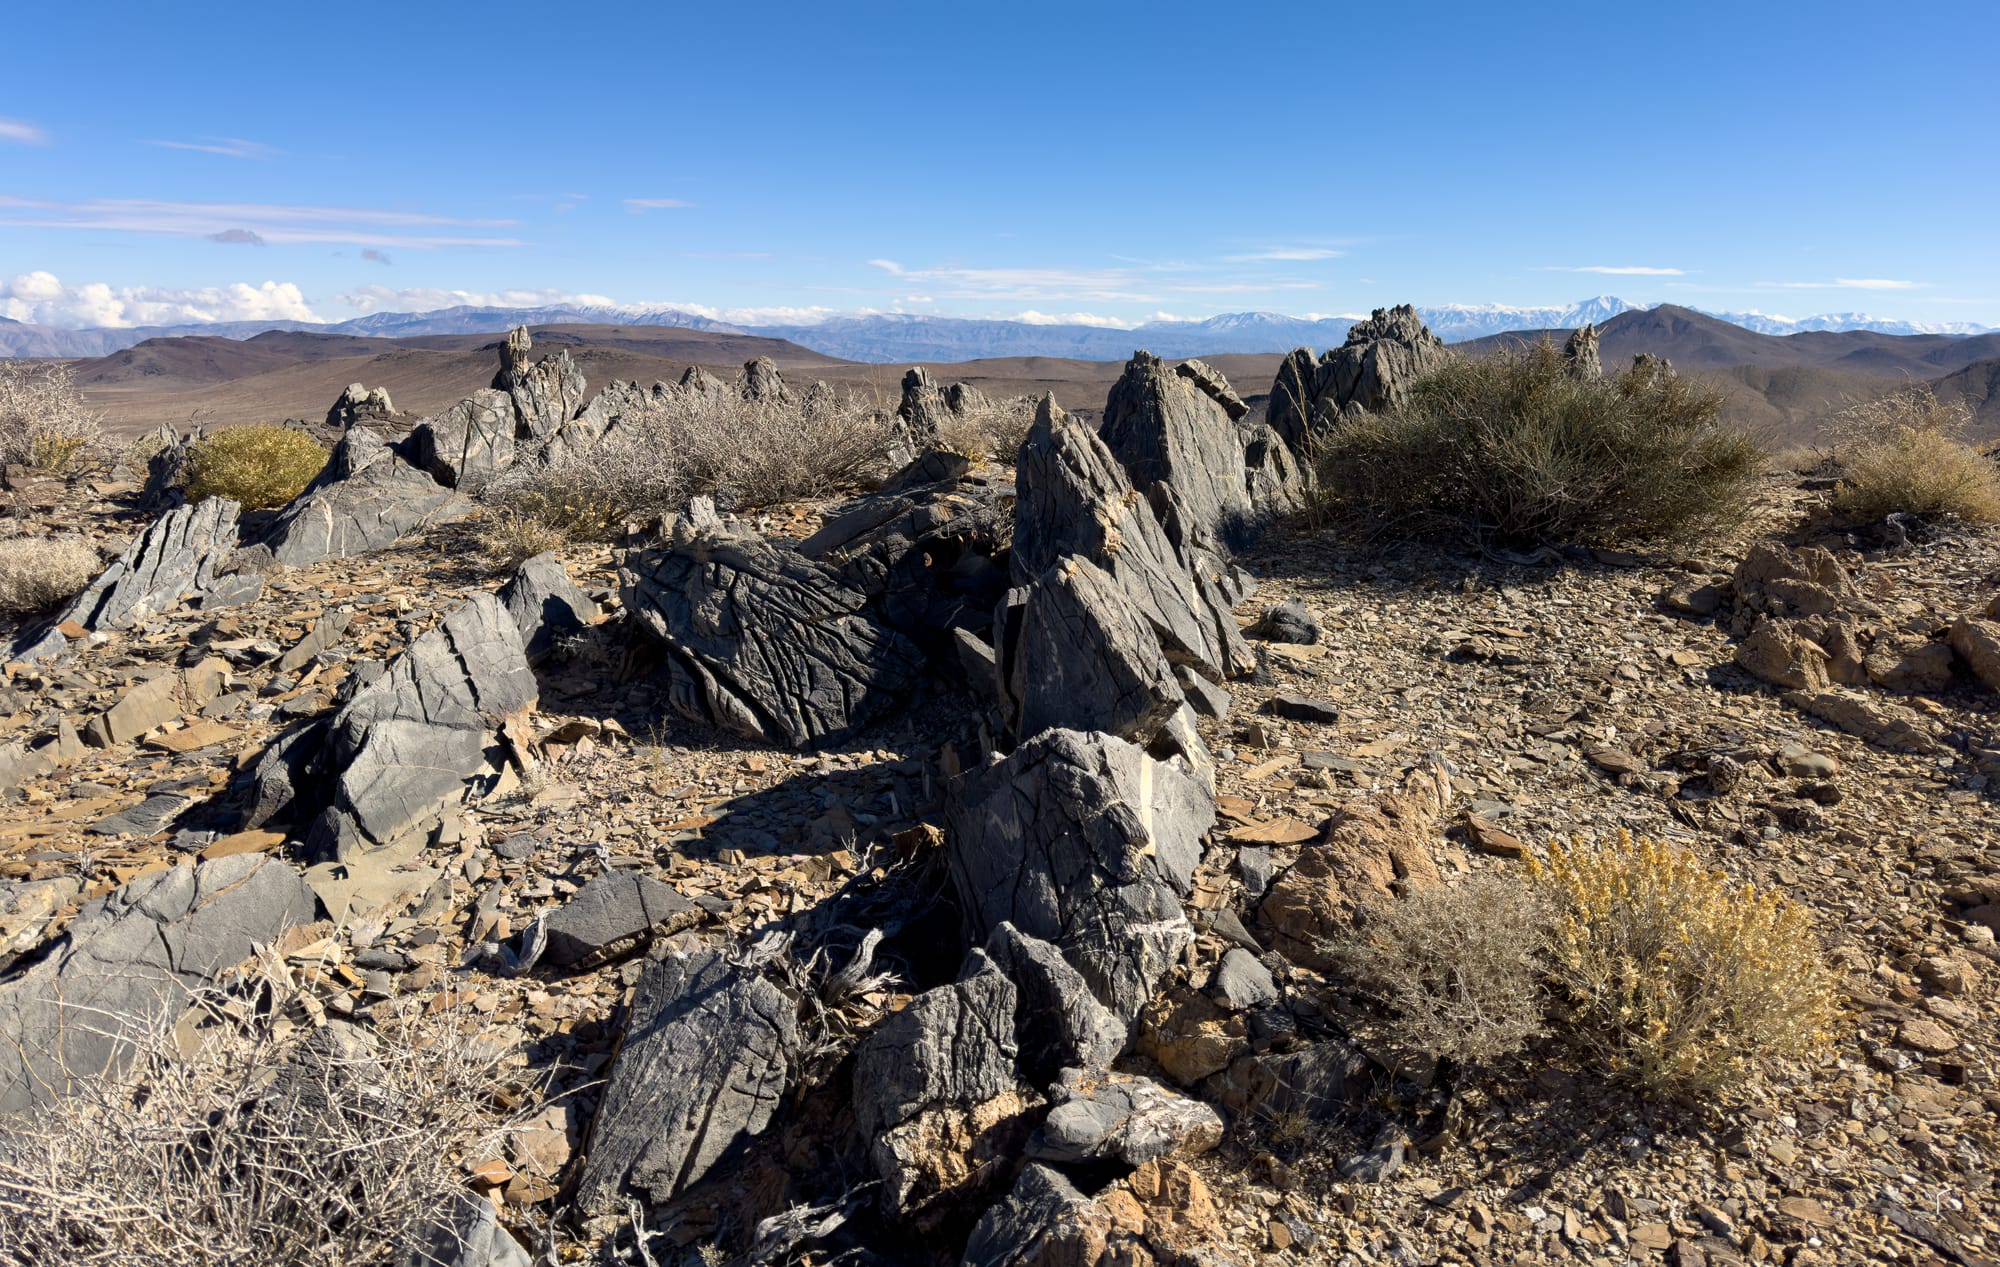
{"points": [[1670, 976], [1518, 446], [1902, 454], [1455, 968], [754, 452], [43, 420], [988, 429], [258, 466], [267, 1144], [36, 573]]}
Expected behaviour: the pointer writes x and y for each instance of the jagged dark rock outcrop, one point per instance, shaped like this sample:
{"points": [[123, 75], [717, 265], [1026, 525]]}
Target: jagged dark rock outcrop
{"points": [[372, 492], [1086, 842], [764, 642], [709, 1052], [1371, 371], [546, 606], [1180, 449]]}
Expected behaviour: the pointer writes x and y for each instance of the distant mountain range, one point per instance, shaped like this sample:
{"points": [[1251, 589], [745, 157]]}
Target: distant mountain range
{"points": [[888, 338]]}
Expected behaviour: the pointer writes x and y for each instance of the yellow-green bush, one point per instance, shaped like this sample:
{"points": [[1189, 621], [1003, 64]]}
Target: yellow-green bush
{"points": [[1902, 453], [257, 466], [1671, 976]]}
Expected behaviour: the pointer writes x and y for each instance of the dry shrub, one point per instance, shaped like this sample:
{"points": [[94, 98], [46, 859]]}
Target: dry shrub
{"points": [[258, 466], [43, 420], [1518, 446], [1902, 454], [513, 536], [36, 573], [754, 452], [992, 429], [270, 1143], [1671, 976], [1455, 968]]}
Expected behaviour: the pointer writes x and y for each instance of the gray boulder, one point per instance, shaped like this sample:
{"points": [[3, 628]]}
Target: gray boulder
{"points": [[922, 407], [1085, 660], [127, 960], [1085, 842], [708, 1054], [616, 908], [406, 744], [468, 445], [1044, 1212], [764, 642], [371, 493], [1121, 1117], [1381, 358], [546, 606], [761, 381], [1289, 621], [1581, 351], [953, 1045]]}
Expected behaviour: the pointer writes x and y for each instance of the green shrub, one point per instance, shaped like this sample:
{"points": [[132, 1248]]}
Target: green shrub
{"points": [[258, 466], [1902, 453], [1518, 446]]}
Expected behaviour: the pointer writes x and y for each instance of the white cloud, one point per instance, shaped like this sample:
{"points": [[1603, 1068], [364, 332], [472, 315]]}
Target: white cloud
{"points": [[1141, 283], [42, 299], [637, 205], [1287, 253], [227, 146], [1033, 318], [425, 298], [1852, 283], [273, 222], [1621, 270], [22, 132]]}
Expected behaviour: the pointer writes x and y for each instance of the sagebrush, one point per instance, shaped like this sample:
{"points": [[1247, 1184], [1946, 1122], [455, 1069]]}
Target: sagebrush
{"points": [[987, 429], [44, 422], [258, 467], [1455, 968], [36, 573], [1902, 454], [748, 453], [1521, 447], [269, 1143], [1669, 975]]}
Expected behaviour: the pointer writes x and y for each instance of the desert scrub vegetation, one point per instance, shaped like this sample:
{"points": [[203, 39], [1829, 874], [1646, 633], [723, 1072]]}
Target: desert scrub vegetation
{"points": [[43, 420], [36, 573], [1903, 453], [236, 1138], [258, 467], [1518, 446], [990, 430], [1666, 974], [748, 453], [1456, 969]]}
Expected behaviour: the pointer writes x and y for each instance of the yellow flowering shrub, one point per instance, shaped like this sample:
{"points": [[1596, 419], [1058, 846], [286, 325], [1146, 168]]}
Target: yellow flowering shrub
{"points": [[1672, 976], [257, 467]]}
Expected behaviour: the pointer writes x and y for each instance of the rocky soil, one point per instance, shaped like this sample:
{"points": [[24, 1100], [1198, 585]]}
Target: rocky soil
{"points": [[943, 874]]}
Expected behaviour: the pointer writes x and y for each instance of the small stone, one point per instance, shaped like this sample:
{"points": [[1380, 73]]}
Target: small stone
{"points": [[1803, 763], [1926, 1036], [1487, 837], [1241, 982], [1304, 708], [1290, 621]]}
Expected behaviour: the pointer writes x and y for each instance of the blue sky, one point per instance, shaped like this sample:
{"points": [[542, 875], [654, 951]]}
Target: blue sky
{"points": [[169, 163]]}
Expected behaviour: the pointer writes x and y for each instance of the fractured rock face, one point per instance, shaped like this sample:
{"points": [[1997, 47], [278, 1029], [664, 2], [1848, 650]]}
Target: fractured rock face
{"points": [[953, 1045], [1058, 1023], [1581, 353], [546, 606], [614, 909], [468, 445], [707, 1056], [371, 493], [546, 393], [1122, 1117], [127, 959], [1181, 451], [405, 745], [1075, 499], [176, 557], [766, 643], [1379, 361], [1160, 1213], [1085, 661], [1087, 843]]}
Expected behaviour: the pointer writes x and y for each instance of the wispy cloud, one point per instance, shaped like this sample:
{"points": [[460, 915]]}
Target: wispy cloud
{"points": [[1619, 270], [636, 206], [237, 237], [1142, 284], [424, 298], [227, 146], [43, 299], [375, 257], [1288, 254], [274, 223], [1851, 283], [22, 132]]}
